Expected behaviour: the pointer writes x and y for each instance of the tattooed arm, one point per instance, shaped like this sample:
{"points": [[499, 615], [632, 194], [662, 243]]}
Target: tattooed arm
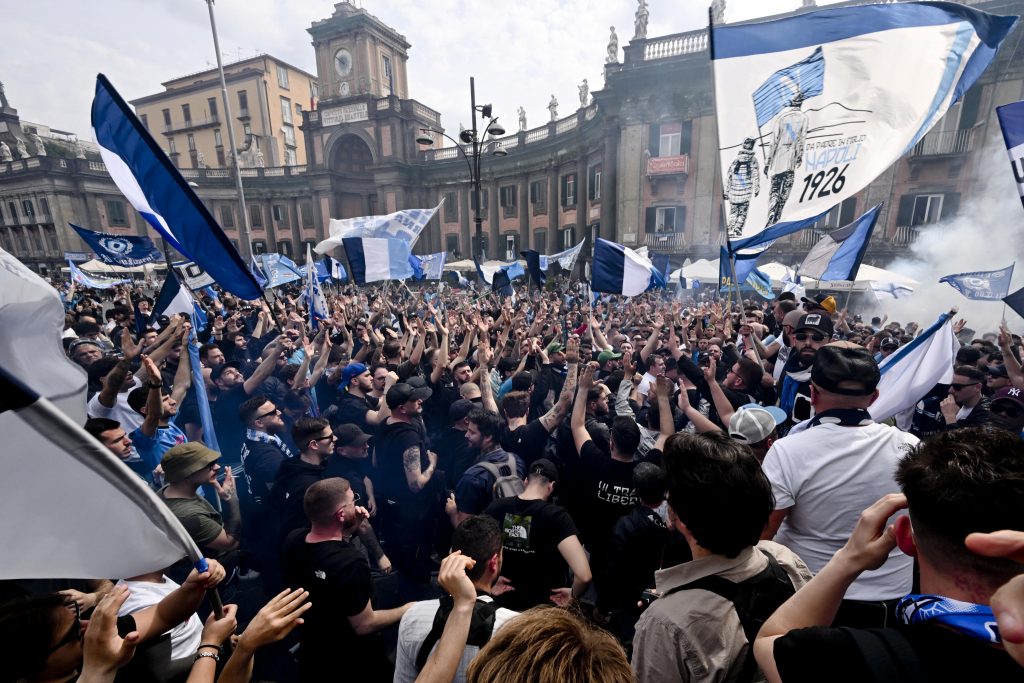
{"points": [[416, 478]]}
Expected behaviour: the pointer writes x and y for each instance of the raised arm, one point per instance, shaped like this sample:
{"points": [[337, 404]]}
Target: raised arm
{"points": [[666, 425], [441, 361], [265, 370], [599, 338], [154, 401], [183, 375], [1013, 369], [652, 341], [578, 422]]}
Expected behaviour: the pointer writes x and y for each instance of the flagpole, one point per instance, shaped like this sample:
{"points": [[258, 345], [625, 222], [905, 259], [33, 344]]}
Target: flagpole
{"points": [[246, 237]]}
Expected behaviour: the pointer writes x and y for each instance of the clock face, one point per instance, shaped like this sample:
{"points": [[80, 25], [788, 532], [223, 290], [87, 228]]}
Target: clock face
{"points": [[343, 62]]}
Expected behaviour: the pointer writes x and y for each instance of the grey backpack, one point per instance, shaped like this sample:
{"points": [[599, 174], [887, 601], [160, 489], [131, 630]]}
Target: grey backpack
{"points": [[507, 482]]}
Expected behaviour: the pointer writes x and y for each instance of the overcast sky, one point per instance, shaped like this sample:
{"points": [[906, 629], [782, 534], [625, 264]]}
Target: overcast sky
{"points": [[520, 53]]}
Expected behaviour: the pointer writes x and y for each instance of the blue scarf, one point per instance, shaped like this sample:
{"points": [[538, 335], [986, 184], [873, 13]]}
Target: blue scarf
{"points": [[272, 439], [976, 621]]}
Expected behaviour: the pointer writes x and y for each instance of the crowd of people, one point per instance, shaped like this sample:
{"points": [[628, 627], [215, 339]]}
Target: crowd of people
{"points": [[445, 484]]}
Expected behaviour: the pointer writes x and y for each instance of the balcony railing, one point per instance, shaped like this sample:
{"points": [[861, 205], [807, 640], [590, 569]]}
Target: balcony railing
{"points": [[944, 142], [675, 45], [660, 241]]}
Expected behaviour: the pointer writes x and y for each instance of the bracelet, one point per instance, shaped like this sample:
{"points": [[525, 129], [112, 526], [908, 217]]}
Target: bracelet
{"points": [[218, 648], [155, 386], [200, 655]]}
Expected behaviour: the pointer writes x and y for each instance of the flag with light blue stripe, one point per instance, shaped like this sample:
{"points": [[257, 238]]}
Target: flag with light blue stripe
{"points": [[375, 258]]}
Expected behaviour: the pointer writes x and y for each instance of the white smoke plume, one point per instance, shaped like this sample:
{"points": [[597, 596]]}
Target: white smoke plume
{"points": [[987, 234]]}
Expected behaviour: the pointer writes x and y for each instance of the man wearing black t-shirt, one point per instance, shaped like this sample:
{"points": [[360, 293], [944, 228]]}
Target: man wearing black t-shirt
{"points": [[954, 484], [540, 542], [336, 632], [355, 405], [604, 484], [233, 389]]}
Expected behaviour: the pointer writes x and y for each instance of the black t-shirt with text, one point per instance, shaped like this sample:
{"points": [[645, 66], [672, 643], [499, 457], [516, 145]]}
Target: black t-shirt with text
{"points": [[603, 492], [531, 532]]}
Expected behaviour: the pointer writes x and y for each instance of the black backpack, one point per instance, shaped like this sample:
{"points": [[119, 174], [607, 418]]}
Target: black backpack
{"points": [[481, 626], [755, 600]]}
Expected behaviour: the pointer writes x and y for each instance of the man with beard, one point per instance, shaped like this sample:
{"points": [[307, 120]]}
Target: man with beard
{"points": [[159, 431], [321, 559], [355, 406], [474, 491], [810, 334], [739, 387], [966, 405]]}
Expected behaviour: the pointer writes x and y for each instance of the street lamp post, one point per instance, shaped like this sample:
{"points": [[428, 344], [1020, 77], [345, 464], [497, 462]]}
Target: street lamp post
{"points": [[477, 143]]}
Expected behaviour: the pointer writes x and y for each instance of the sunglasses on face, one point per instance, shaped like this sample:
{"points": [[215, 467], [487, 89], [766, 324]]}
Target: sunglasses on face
{"points": [[803, 336], [275, 411], [958, 387], [74, 633]]}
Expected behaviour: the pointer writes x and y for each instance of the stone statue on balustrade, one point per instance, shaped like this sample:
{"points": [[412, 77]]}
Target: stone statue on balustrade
{"points": [[613, 48], [584, 88], [640, 20], [522, 118], [37, 142], [79, 150], [4, 104], [259, 160], [5, 153], [201, 160], [718, 11], [22, 149], [553, 108]]}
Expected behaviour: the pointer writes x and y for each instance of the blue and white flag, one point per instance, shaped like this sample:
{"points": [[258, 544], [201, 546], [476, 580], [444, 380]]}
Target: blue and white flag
{"points": [[743, 263], [566, 259], [915, 368], [620, 270], [323, 270], [279, 269], [92, 282], [151, 183], [456, 279], [338, 273], [1016, 301], [663, 262], [127, 251], [1011, 120], [890, 290], [985, 285], [760, 283], [791, 283], [404, 226], [430, 265], [828, 100], [535, 266], [173, 298], [258, 273], [318, 309], [838, 255], [373, 259]]}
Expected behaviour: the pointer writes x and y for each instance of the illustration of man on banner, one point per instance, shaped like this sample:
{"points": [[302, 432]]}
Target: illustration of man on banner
{"points": [[786, 155], [742, 182]]}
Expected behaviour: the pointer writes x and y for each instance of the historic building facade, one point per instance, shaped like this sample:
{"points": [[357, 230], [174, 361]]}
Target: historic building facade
{"points": [[635, 163]]}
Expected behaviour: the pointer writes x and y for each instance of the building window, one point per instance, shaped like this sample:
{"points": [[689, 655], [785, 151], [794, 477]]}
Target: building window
{"points": [[286, 110], [167, 119], [306, 214], [193, 156], [664, 219], [289, 135], [483, 201], [540, 241], [927, 209], [569, 237], [171, 146], [451, 207], [280, 213], [27, 208], [259, 247], [507, 197], [115, 213], [289, 157], [451, 244], [670, 139], [52, 243], [221, 161], [227, 217], [44, 206], [217, 139], [569, 190], [186, 113], [145, 121], [256, 216], [594, 183], [243, 103], [191, 142], [212, 104], [539, 196], [282, 76], [37, 241], [284, 247], [511, 252], [388, 75], [12, 209]]}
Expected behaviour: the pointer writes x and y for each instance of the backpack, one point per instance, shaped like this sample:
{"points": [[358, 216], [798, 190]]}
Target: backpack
{"points": [[481, 626], [755, 600], [507, 482]]}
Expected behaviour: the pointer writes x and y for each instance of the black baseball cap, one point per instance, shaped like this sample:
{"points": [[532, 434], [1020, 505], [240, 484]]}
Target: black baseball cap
{"points": [[460, 409], [890, 343], [815, 321], [219, 370], [402, 393], [545, 468], [845, 370], [350, 435]]}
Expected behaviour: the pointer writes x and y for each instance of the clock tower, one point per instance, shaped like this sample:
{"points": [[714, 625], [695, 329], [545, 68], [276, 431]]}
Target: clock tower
{"points": [[357, 54]]}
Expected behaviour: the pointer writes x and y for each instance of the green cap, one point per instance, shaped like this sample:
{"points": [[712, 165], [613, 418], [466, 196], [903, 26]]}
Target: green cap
{"points": [[185, 459]]}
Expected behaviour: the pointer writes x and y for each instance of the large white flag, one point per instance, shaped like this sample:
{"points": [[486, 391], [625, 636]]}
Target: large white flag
{"points": [[74, 509], [915, 369], [812, 108], [405, 226]]}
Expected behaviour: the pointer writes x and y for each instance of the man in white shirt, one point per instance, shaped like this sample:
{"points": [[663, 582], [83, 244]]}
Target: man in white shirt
{"points": [[478, 537], [825, 475]]}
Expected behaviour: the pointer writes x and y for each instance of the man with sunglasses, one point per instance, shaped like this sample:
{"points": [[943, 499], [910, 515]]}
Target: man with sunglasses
{"points": [[315, 440], [966, 405], [823, 476], [812, 332]]}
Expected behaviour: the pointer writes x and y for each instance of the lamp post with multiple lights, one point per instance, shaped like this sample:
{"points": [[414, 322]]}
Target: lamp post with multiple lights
{"points": [[477, 144]]}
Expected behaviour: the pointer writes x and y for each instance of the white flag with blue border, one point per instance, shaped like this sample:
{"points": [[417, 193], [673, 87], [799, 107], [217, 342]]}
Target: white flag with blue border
{"points": [[405, 226], [828, 100]]}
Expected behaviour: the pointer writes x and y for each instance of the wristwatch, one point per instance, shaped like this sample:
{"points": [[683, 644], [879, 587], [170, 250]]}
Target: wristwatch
{"points": [[155, 385]]}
